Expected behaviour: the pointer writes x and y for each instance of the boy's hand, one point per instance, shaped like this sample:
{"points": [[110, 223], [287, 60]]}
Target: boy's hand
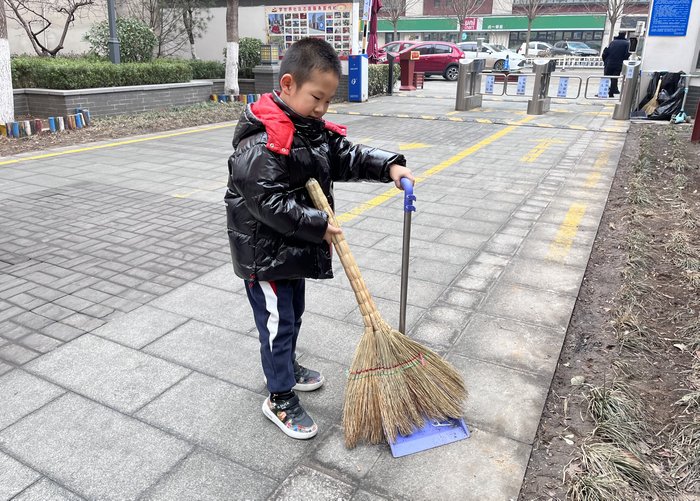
{"points": [[330, 231], [396, 172]]}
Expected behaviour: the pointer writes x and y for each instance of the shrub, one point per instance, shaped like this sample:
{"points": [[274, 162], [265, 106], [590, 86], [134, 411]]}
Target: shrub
{"points": [[136, 40], [379, 77], [207, 69], [248, 56], [65, 74]]}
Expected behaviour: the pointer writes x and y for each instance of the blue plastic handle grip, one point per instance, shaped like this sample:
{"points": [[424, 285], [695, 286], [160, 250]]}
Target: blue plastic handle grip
{"points": [[408, 196]]}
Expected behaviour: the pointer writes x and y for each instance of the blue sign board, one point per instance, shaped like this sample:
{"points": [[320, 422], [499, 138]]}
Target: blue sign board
{"points": [[669, 18]]}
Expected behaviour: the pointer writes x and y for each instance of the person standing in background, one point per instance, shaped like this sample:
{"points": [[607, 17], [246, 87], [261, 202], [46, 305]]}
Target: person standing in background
{"points": [[613, 56]]}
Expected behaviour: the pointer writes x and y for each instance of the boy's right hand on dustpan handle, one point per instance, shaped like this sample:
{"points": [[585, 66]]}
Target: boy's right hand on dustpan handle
{"points": [[330, 231]]}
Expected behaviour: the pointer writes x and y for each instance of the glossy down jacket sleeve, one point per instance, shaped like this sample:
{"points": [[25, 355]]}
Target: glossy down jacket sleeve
{"points": [[354, 162], [259, 176]]}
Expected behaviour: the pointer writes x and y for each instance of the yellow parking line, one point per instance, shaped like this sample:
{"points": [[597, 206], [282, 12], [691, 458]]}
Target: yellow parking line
{"points": [[484, 121], [544, 125], [130, 141], [577, 127], [456, 119], [403, 116], [353, 112], [453, 112], [427, 117]]}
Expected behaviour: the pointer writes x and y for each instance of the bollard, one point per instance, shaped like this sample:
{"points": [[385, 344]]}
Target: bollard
{"points": [[469, 84], [539, 104], [52, 124], [390, 85], [61, 124], [630, 71]]}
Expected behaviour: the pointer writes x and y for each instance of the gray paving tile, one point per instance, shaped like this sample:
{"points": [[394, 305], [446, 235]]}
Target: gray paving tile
{"points": [[529, 305], [497, 393], [227, 420], [107, 372], [511, 343], [14, 477], [45, 490], [140, 327], [330, 338], [16, 354], [307, 483], [543, 275], [93, 451], [485, 466], [204, 475], [212, 350], [21, 394], [210, 305], [223, 278], [332, 455]]}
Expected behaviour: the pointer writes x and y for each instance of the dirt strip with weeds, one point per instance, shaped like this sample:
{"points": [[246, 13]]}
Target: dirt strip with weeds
{"points": [[638, 450]]}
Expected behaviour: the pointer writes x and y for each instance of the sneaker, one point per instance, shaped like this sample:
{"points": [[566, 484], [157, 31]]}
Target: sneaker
{"points": [[307, 380], [290, 417]]}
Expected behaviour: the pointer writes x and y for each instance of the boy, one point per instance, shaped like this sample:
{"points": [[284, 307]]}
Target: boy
{"points": [[277, 237]]}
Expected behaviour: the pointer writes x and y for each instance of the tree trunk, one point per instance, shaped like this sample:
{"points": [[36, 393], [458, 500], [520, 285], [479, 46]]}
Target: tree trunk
{"points": [[231, 83], [7, 100], [396, 23], [188, 19], [527, 38]]}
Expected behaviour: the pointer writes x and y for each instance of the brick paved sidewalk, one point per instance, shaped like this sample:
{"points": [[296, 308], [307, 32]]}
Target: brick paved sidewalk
{"points": [[128, 357]]}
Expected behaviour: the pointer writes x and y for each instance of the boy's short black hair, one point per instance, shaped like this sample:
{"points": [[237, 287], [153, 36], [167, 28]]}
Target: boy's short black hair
{"points": [[307, 55]]}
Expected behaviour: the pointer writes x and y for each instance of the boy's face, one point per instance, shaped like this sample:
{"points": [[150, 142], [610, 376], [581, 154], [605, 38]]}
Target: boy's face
{"points": [[311, 99]]}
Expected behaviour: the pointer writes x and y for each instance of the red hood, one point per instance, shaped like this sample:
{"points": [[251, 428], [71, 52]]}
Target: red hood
{"points": [[279, 127]]}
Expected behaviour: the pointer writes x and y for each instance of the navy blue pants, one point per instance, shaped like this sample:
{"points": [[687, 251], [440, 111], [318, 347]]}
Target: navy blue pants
{"points": [[277, 307]]}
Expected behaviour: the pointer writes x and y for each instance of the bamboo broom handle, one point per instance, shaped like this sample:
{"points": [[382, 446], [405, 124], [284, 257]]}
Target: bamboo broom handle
{"points": [[367, 307]]}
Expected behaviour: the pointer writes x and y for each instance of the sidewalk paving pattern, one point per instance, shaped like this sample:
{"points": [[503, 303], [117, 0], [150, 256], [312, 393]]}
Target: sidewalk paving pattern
{"points": [[129, 360]]}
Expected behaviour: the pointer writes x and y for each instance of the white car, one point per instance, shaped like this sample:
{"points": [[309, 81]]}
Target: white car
{"points": [[494, 54], [535, 48]]}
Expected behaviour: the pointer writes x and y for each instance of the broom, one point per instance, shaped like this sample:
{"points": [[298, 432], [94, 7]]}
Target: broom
{"points": [[394, 383], [653, 103]]}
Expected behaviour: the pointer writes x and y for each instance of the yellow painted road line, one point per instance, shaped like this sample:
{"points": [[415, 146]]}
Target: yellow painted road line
{"points": [[484, 121], [456, 119], [453, 112], [387, 195], [559, 248], [597, 113], [353, 112], [413, 146], [544, 125], [365, 140], [536, 152], [130, 141], [403, 116], [332, 111], [426, 117], [561, 111], [577, 127]]}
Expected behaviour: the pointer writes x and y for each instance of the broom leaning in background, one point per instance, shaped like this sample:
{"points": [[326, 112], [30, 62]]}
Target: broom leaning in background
{"points": [[394, 383], [651, 106]]}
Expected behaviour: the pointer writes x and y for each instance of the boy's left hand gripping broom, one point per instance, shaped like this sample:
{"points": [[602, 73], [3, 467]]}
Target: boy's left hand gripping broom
{"points": [[394, 383]]}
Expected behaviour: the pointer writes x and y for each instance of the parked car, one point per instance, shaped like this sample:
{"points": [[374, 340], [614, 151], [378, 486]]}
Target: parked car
{"points": [[494, 55], [397, 46], [436, 58], [572, 49], [535, 48]]}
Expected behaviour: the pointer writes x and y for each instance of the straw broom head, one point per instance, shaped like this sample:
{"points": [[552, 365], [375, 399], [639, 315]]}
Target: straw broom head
{"points": [[394, 383]]}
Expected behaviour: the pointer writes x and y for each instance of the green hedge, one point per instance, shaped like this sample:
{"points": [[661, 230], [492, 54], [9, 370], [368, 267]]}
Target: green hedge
{"points": [[379, 77], [66, 74], [203, 70]]}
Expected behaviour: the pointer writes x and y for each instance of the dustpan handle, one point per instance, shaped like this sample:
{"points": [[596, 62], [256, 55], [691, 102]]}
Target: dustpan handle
{"points": [[364, 300], [408, 208]]}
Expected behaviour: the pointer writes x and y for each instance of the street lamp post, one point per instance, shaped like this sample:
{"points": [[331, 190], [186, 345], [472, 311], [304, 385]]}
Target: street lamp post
{"points": [[113, 42]]}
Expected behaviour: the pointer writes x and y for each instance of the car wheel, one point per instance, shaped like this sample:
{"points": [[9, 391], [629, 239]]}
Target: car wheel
{"points": [[498, 65], [451, 73]]}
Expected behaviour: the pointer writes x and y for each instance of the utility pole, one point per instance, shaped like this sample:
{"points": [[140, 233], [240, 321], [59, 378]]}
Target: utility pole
{"points": [[113, 42]]}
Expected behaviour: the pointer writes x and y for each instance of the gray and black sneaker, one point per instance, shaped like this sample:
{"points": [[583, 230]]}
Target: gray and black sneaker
{"points": [[307, 380], [290, 416]]}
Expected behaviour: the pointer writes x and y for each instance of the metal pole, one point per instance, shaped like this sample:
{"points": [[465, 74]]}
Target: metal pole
{"points": [[113, 42], [404, 271], [390, 86]]}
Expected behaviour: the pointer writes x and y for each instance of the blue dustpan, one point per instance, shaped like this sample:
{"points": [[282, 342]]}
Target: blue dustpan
{"points": [[434, 433]]}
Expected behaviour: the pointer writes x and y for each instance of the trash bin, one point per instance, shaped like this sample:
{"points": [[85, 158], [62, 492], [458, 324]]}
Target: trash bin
{"points": [[543, 69], [469, 84], [358, 78]]}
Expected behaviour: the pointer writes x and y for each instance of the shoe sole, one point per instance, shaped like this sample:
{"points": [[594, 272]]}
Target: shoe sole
{"points": [[309, 387], [287, 431]]}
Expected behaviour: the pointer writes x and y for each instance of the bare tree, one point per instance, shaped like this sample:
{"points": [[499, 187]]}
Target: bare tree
{"points": [[394, 10], [231, 82], [7, 100], [613, 10], [462, 9], [532, 9], [35, 17], [165, 21]]}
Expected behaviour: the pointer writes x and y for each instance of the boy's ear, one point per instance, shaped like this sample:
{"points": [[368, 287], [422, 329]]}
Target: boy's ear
{"points": [[286, 83]]}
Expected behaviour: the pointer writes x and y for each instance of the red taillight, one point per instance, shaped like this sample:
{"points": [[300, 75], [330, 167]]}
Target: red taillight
{"points": [[462, 55]]}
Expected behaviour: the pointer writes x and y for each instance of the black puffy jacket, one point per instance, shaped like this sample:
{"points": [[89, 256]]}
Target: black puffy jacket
{"points": [[274, 230]]}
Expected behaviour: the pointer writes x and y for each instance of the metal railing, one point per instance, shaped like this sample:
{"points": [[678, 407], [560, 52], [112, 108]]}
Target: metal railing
{"points": [[570, 61]]}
